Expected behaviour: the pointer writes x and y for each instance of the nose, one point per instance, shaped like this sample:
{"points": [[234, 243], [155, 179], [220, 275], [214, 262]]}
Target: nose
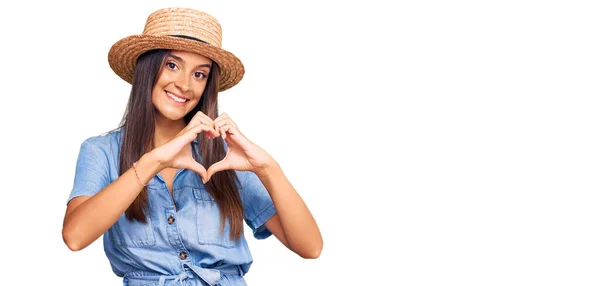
{"points": [[183, 82]]}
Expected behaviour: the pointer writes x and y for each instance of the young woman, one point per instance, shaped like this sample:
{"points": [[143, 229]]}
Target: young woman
{"points": [[171, 188]]}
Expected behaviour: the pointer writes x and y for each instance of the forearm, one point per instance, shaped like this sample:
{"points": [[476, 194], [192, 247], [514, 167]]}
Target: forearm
{"points": [[94, 216], [299, 226]]}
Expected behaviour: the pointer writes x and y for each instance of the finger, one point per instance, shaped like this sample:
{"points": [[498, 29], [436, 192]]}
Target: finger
{"points": [[218, 129], [195, 122], [191, 133], [199, 169], [222, 132], [228, 129], [225, 121], [210, 131], [217, 167], [194, 131], [200, 118], [205, 118], [223, 115], [225, 118], [196, 119]]}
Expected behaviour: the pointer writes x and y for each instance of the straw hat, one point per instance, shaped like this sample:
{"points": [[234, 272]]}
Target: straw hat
{"points": [[177, 29]]}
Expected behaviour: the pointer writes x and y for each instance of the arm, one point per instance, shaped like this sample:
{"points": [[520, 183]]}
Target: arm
{"points": [[87, 218], [293, 224]]}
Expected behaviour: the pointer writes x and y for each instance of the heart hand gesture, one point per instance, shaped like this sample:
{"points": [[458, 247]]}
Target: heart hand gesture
{"points": [[177, 154], [242, 154]]}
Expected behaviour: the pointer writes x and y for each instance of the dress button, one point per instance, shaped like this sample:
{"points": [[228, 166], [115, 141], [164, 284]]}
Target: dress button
{"points": [[182, 255], [171, 220]]}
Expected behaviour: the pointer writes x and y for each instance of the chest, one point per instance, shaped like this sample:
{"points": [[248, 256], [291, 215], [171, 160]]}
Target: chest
{"points": [[168, 175]]}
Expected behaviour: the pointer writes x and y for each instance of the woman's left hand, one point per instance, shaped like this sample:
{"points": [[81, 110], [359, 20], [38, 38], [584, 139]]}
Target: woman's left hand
{"points": [[242, 154]]}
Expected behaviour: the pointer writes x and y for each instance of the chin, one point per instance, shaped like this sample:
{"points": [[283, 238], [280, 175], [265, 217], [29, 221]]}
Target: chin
{"points": [[171, 115], [174, 118]]}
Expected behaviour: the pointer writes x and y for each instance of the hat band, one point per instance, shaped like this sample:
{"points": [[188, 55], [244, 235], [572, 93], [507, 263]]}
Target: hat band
{"points": [[189, 38]]}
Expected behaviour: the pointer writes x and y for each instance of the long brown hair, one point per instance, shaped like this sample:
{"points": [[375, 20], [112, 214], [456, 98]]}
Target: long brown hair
{"points": [[138, 139]]}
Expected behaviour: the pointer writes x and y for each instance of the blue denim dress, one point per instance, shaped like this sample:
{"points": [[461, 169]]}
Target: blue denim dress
{"points": [[182, 246]]}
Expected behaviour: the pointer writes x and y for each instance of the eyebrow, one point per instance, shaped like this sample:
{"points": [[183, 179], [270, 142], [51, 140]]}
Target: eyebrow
{"points": [[181, 60]]}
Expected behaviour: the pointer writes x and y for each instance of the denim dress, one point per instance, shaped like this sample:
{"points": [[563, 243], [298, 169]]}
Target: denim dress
{"points": [[180, 245]]}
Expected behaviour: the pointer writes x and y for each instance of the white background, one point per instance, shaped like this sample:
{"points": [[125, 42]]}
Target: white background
{"points": [[435, 142]]}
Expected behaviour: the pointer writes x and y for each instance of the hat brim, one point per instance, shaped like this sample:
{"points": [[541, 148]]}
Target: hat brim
{"points": [[124, 53]]}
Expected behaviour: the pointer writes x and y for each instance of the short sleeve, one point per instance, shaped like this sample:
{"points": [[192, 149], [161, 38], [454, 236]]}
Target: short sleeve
{"points": [[258, 206], [91, 171]]}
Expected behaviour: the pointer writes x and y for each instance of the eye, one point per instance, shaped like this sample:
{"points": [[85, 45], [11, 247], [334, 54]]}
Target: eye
{"points": [[171, 65], [199, 75]]}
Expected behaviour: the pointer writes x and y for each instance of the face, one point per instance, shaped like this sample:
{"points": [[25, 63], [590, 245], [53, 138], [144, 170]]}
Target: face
{"points": [[180, 84]]}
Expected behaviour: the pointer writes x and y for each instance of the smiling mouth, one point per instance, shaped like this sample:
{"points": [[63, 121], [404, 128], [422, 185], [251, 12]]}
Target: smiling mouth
{"points": [[176, 98]]}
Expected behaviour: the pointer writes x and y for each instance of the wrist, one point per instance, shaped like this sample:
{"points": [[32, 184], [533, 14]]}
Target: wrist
{"points": [[154, 160], [148, 166], [268, 168]]}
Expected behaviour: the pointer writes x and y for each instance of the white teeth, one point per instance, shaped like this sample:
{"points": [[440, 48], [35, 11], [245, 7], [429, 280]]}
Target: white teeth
{"points": [[176, 98]]}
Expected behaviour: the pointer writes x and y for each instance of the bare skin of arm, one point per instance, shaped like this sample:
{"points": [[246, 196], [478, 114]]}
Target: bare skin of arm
{"points": [[293, 224], [87, 218]]}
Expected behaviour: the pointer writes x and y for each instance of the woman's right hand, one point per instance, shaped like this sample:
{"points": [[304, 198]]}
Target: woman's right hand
{"points": [[176, 153]]}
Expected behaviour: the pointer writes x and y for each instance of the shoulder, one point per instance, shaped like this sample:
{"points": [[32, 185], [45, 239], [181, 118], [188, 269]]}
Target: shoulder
{"points": [[242, 177], [249, 181], [107, 142]]}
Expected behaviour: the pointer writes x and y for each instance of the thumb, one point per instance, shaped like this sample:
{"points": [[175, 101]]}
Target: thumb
{"points": [[216, 167], [198, 168]]}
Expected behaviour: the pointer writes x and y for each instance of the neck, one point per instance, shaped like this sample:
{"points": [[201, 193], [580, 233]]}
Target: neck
{"points": [[166, 129]]}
